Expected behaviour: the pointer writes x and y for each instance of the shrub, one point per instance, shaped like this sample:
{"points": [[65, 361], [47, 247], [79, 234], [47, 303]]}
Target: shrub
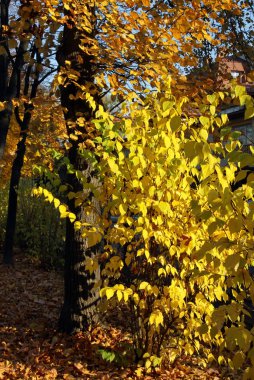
{"points": [[182, 239], [39, 230], [188, 236]]}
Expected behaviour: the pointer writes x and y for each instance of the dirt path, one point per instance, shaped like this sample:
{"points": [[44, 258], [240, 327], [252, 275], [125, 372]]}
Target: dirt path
{"points": [[31, 348]]}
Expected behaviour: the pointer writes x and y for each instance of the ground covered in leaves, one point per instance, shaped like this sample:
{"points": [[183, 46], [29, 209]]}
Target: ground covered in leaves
{"points": [[32, 349]]}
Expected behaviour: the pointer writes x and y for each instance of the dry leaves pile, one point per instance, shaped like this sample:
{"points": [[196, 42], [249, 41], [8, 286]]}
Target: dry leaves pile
{"points": [[32, 349]]}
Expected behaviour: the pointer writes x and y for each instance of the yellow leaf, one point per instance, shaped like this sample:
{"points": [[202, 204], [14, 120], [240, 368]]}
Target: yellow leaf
{"points": [[60, 79], [161, 272], [151, 191], [221, 360], [166, 105], [113, 166], [167, 141], [139, 372], [205, 121], [119, 295], [126, 294], [135, 183], [72, 217], [73, 137], [156, 318], [175, 123], [77, 225], [56, 202], [50, 197], [224, 118], [143, 285], [63, 211], [122, 209], [212, 110], [139, 173], [145, 234], [211, 98], [109, 293], [249, 112], [164, 207], [93, 237], [240, 90], [119, 146], [203, 134]]}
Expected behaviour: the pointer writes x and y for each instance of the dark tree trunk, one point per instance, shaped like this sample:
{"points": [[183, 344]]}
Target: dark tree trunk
{"points": [[10, 88], [19, 158], [10, 69], [13, 198], [5, 119], [4, 65], [81, 291], [80, 297]]}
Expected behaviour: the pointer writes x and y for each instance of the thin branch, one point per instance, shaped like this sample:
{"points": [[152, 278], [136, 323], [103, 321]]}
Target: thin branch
{"points": [[17, 116], [118, 104], [46, 75], [28, 73], [104, 93], [9, 53]]}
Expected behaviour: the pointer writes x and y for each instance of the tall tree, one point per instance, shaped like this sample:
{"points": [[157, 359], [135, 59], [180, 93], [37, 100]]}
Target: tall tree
{"points": [[122, 47], [8, 88], [239, 29], [18, 163], [80, 297], [25, 47], [234, 37]]}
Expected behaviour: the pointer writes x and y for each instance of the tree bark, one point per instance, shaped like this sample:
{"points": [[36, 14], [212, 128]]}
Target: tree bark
{"points": [[10, 69], [4, 65], [13, 199], [80, 297], [19, 160], [80, 294], [5, 119]]}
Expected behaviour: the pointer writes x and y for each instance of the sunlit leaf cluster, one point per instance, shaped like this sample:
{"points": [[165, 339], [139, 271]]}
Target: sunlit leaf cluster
{"points": [[178, 240]]}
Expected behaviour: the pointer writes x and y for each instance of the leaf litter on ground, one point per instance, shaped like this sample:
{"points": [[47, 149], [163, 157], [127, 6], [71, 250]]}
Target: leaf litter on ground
{"points": [[31, 348]]}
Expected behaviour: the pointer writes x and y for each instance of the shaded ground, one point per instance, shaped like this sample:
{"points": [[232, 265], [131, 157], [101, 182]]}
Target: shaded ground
{"points": [[31, 348]]}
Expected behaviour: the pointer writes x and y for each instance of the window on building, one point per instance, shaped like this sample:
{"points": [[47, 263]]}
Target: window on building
{"points": [[247, 134], [235, 74]]}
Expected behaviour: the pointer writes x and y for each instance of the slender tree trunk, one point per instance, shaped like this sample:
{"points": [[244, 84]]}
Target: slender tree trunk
{"points": [[4, 64], [19, 159], [10, 70], [5, 118], [10, 88], [13, 199]]}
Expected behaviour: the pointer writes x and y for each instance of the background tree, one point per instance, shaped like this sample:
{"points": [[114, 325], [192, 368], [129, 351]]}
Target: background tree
{"points": [[234, 38], [24, 57], [240, 32], [7, 90]]}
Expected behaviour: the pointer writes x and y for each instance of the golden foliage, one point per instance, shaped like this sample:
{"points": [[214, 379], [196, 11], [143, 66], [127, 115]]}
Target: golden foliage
{"points": [[183, 239]]}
